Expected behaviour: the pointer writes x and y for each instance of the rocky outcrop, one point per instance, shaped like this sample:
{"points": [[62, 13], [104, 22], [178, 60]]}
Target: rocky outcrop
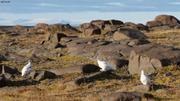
{"points": [[129, 96], [85, 47], [41, 26], [62, 28], [150, 57], [115, 54], [167, 20], [89, 29], [163, 20], [53, 40], [102, 24], [135, 26], [127, 33]]}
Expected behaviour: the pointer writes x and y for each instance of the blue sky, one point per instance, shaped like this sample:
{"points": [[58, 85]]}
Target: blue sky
{"points": [[30, 12]]}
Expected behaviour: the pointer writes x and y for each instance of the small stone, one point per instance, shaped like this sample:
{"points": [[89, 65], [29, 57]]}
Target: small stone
{"points": [[168, 74]]}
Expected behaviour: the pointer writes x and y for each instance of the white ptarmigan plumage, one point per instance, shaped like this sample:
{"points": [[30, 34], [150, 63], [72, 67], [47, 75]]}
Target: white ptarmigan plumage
{"points": [[26, 69], [144, 79], [104, 65]]}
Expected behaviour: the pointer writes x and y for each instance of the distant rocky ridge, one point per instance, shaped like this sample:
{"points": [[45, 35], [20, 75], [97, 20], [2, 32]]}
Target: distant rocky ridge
{"points": [[95, 26]]}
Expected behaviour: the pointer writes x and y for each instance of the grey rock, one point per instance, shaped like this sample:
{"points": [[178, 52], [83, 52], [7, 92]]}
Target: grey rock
{"points": [[150, 57], [41, 75], [86, 68], [128, 33]]}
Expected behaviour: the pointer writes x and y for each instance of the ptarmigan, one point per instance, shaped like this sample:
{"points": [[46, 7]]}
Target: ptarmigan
{"points": [[26, 69], [144, 79], [104, 66]]}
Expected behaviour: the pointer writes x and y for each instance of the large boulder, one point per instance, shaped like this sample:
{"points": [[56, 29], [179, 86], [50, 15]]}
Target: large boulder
{"points": [[163, 20], [100, 23], [167, 20], [40, 28], [85, 47], [115, 54], [127, 33], [92, 48], [89, 29], [149, 57], [53, 40], [129, 96], [86, 68], [135, 26]]}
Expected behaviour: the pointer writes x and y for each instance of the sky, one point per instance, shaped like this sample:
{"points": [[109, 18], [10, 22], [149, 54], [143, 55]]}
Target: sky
{"points": [[31, 12]]}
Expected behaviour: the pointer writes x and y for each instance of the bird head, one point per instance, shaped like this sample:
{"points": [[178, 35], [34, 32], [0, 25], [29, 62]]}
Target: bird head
{"points": [[29, 61]]}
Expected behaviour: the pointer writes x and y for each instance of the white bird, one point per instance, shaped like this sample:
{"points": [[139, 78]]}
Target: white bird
{"points": [[26, 69], [144, 79], [104, 65]]}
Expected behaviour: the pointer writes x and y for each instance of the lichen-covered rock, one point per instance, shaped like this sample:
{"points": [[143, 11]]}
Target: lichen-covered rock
{"points": [[150, 57]]}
